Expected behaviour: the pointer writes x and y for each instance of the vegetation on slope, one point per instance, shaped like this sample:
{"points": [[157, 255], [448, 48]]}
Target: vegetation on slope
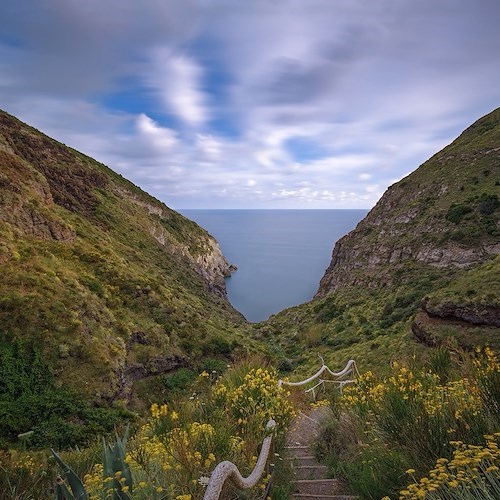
{"points": [[106, 284], [105, 287], [428, 249], [445, 215], [426, 430], [173, 451]]}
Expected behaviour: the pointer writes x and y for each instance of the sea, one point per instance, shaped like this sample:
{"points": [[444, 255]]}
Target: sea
{"points": [[281, 255]]}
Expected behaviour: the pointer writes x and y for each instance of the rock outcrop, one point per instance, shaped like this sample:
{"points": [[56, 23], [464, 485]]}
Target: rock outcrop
{"points": [[444, 215], [33, 182]]}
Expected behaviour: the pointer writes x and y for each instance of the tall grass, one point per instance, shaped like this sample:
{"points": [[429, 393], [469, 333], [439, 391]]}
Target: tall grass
{"points": [[174, 450], [411, 419]]}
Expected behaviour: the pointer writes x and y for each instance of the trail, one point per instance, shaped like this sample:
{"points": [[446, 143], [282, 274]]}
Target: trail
{"points": [[310, 479]]}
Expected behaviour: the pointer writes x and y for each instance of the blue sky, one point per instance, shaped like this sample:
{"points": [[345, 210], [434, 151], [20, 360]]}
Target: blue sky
{"points": [[253, 104]]}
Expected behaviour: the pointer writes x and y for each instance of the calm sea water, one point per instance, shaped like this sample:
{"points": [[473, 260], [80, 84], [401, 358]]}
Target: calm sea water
{"points": [[281, 255]]}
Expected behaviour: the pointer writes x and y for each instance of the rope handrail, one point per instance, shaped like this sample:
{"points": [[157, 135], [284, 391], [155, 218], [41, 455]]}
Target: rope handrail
{"points": [[350, 368], [227, 470]]}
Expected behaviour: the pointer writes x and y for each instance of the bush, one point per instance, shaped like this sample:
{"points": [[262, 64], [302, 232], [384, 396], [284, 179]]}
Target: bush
{"points": [[473, 472], [488, 204], [457, 212], [31, 401], [178, 381], [174, 452], [413, 418], [326, 310]]}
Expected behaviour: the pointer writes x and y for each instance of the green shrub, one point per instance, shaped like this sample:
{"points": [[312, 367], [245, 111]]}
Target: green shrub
{"points": [[411, 418], [31, 401], [376, 472], [178, 381], [488, 204], [326, 310], [457, 212]]}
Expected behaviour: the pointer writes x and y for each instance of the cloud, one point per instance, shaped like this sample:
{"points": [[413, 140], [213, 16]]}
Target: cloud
{"points": [[252, 104], [208, 147], [161, 138], [177, 80]]}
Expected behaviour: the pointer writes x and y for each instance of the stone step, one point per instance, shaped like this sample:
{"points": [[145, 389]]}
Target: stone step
{"points": [[297, 451], [315, 487], [299, 441], [310, 471], [302, 461], [298, 496]]}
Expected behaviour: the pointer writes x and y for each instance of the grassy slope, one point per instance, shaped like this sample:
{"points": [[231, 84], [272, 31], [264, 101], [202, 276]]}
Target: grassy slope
{"points": [[84, 278], [450, 201]]}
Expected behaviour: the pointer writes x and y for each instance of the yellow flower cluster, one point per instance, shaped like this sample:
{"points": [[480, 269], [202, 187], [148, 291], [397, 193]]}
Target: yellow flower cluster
{"points": [[94, 481], [488, 363], [472, 468], [406, 383], [258, 396], [158, 411], [424, 389], [184, 452], [460, 395], [365, 390], [23, 462], [237, 443], [320, 404]]}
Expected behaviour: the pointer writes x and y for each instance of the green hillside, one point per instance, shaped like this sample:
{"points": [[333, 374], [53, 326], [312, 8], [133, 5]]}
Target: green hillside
{"points": [[430, 246], [102, 285], [110, 300]]}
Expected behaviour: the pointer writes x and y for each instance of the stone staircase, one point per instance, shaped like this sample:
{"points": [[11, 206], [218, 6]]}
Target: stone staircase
{"points": [[310, 478]]}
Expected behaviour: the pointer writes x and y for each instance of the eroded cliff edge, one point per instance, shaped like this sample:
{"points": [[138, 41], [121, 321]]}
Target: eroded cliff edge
{"points": [[110, 284], [444, 214]]}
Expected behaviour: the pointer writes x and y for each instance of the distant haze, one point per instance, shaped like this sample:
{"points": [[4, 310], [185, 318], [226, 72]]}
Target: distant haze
{"points": [[257, 104]]}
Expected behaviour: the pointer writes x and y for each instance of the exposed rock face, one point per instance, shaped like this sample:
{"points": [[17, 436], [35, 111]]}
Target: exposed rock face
{"points": [[479, 331], [210, 263], [214, 267], [33, 182], [445, 215], [139, 371], [464, 318], [475, 314], [32, 222]]}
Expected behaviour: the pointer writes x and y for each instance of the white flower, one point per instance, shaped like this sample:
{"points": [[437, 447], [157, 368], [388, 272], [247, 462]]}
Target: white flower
{"points": [[204, 480]]}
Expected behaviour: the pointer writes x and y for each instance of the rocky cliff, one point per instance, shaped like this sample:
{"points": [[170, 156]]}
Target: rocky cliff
{"points": [[444, 215], [107, 282], [423, 265], [40, 176]]}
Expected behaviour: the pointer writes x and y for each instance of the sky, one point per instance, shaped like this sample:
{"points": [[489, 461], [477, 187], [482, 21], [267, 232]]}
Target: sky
{"points": [[252, 103]]}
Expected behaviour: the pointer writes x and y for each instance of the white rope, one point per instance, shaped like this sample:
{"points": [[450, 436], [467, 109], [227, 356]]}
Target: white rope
{"points": [[228, 471], [349, 369], [316, 386]]}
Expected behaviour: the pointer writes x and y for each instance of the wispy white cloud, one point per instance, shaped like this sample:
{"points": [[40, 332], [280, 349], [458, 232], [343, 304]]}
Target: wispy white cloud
{"points": [[269, 104], [177, 79], [160, 138]]}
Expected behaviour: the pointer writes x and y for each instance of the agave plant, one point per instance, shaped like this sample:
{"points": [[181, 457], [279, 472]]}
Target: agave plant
{"points": [[77, 492], [114, 466]]}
